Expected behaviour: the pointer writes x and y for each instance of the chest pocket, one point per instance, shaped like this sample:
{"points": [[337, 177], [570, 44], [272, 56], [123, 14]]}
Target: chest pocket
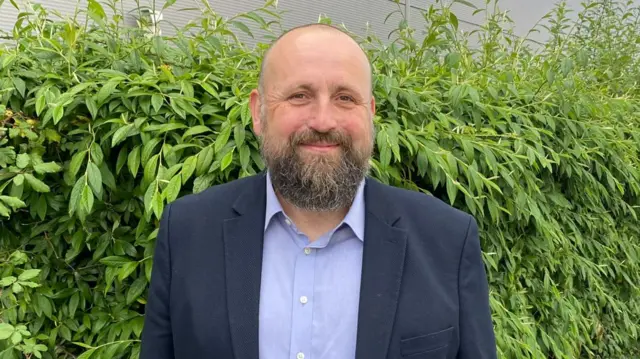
{"points": [[430, 346]]}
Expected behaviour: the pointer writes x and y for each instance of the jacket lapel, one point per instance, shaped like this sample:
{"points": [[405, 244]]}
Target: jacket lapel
{"points": [[243, 241], [382, 267]]}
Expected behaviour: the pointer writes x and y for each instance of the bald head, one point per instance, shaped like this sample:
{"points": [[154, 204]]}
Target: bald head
{"points": [[311, 35]]}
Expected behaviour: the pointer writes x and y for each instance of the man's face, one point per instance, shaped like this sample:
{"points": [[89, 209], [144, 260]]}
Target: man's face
{"points": [[315, 118]]}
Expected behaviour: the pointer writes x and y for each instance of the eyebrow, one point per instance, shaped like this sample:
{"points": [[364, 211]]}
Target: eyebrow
{"points": [[334, 88]]}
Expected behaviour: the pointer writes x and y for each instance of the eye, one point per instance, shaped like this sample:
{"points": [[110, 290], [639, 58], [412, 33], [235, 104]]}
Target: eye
{"points": [[346, 98], [298, 96]]}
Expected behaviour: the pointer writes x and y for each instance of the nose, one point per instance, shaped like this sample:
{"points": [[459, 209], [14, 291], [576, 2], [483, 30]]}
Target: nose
{"points": [[323, 117]]}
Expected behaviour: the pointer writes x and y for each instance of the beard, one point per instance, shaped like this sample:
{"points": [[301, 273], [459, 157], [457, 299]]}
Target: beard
{"points": [[316, 182]]}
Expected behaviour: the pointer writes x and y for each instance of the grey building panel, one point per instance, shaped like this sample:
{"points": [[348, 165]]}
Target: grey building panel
{"points": [[67, 8], [359, 16]]}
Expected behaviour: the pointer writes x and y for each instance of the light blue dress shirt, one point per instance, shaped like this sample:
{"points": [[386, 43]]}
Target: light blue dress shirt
{"points": [[310, 291]]}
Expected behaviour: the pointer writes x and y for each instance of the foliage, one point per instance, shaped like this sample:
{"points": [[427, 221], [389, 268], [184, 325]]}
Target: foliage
{"points": [[102, 125]]}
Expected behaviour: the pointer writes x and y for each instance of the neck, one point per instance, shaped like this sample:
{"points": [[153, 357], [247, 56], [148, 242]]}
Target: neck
{"points": [[312, 223]]}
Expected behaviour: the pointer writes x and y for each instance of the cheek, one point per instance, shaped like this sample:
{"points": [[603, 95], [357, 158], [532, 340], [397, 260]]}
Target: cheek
{"points": [[360, 130], [284, 123]]}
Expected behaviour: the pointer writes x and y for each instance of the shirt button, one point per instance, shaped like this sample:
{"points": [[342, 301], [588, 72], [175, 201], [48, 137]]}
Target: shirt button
{"points": [[304, 300], [307, 251], [300, 356], [288, 221]]}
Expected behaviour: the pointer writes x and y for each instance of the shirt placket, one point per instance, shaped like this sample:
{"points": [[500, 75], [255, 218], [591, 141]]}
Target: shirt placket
{"points": [[302, 302]]}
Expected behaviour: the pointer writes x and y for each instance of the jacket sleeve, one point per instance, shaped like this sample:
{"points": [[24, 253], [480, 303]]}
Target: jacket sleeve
{"points": [[157, 332], [477, 338]]}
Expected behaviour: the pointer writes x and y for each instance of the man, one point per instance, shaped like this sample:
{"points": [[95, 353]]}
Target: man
{"points": [[313, 259]]}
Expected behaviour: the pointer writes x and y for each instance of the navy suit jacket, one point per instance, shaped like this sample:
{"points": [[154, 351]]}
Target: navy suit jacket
{"points": [[424, 291]]}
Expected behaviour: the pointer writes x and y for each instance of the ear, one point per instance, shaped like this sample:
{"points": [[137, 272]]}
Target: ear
{"points": [[373, 106], [254, 104]]}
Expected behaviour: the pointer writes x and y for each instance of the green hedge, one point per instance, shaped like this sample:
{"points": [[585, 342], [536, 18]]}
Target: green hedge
{"points": [[102, 125]]}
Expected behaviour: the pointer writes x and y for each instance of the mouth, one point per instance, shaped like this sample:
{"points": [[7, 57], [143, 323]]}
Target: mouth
{"points": [[319, 146]]}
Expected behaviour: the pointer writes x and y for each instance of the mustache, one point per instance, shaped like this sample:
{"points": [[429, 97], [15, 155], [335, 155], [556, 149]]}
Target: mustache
{"points": [[313, 136]]}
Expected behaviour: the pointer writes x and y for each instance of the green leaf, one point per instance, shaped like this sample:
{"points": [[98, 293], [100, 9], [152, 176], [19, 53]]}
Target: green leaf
{"points": [[58, 112], [173, 189], [47, 167], [36, 184], [96, 12], [209, 89], [45, 305], [6, 330], [30, 284], [29, 274], [242, 26], [166, 127], [188, 168], [96, 154], [94, 178], [134, 161], [73, 304], [86, 201], [136, 289], [168, 3], [452, 190], [126, 270], [41, 103], [65, 332], [86, 346], [173, 102], [76, 161], [23, 160], [239, 134], [91, 106], [148, 196], [149, 148], [454, 20], [157, 101], [196, 130], [151, 168], [114, 261], [87, 354], [453, 165], [20, 85], [226, 161], [157, 204], [18, 180], [203, 182], [245, 155], [106, 91], [109, 275], [423, 162], [76, 194], [205, 157], [7, 281], [223, 137], [550, 76], [107, 176], [16, 288], [13, 202], [122, 133]]}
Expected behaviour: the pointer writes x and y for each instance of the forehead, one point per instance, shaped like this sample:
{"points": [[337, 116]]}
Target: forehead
{"points": [[320, 58]]}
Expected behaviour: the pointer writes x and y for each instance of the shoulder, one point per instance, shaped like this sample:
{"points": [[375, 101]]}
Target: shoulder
{"points": [[216, 198], [412, 201], [425, 214]]}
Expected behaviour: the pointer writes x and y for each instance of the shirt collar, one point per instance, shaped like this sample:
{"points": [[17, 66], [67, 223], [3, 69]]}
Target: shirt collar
{"points": [[355, 217]]}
